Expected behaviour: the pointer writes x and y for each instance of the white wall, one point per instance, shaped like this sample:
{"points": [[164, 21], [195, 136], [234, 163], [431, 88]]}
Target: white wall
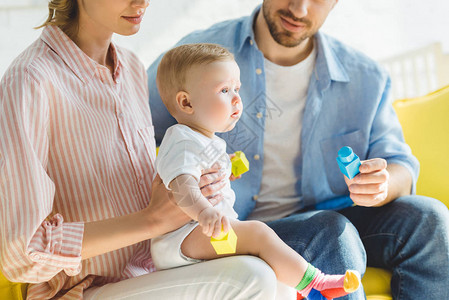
{"points": [[380, 28]]}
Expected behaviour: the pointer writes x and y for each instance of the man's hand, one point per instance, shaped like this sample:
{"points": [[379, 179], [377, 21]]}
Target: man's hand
{"points": [[370, 186], [211, 220]]}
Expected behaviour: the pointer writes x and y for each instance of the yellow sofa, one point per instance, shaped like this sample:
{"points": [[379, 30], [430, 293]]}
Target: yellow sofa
{"points": [[10, 290], [425, 124]]}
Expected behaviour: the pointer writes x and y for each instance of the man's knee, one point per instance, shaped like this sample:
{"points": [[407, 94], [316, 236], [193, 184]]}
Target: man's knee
{"points": [[331, 224], [424, 216], [333, 230], [337, 236], [325, 238]]}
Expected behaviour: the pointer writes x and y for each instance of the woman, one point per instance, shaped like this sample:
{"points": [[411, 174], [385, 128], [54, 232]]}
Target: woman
{"points": [[76, 170]]}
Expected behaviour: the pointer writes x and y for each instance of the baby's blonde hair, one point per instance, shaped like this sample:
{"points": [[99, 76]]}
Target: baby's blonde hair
{"points": [[176, 63]]}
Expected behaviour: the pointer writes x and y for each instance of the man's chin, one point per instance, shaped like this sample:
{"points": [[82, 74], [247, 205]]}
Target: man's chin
{"points": [[284, 39]]}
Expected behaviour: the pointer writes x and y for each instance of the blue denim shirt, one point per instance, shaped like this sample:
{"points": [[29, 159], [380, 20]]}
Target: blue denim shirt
{"points": [[347, 105]]}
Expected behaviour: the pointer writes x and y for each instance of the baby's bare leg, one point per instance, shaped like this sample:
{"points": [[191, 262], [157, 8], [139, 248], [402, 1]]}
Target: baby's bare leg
{"points": [[257, 239]]}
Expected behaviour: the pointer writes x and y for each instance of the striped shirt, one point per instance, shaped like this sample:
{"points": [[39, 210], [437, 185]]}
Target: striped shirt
{"points": [[76, 145]]}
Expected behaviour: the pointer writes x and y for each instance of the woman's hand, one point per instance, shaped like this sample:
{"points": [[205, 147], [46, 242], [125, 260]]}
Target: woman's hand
{"points": [[162, 211], [166, 215], [211, 182]]}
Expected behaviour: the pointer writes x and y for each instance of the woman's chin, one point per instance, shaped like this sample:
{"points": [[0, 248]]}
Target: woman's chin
{"points": [[128, 31]]}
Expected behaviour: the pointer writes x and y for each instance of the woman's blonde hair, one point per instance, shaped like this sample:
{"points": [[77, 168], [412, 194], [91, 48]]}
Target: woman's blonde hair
{"points": [[63, 13]]}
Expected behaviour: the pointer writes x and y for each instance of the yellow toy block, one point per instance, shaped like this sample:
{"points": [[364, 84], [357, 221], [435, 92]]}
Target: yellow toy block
{"points": [[240, 164], [225, 243]]}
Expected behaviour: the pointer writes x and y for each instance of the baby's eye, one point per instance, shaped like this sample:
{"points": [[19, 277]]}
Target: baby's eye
{"points": [[224, 91], [237, 90]]}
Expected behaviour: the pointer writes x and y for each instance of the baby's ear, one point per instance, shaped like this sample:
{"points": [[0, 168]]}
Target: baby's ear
{"points": [[183, 102]]}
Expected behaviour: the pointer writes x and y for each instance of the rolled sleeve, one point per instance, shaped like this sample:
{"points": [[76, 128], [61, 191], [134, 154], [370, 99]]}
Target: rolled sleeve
{"points": [[387, 139], [34, 247], [58, 245]]}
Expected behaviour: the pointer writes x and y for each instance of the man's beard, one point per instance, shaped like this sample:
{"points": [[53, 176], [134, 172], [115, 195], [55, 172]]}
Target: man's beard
{"points": [[284, 37]]}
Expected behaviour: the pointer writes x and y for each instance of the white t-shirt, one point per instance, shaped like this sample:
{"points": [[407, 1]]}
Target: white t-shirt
{"points": [[185, 151], [286, 90]]}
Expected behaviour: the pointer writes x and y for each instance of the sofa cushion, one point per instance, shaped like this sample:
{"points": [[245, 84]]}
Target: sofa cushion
{"points": [[10, 290], [425, 122], [376, 283]]}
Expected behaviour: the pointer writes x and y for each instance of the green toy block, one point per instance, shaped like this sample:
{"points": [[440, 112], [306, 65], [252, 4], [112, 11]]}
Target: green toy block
{"points": [[226, 243], [240, 164]]}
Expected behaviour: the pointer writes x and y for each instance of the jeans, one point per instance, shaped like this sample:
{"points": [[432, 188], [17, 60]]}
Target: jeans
{"points": [[409, 236]]}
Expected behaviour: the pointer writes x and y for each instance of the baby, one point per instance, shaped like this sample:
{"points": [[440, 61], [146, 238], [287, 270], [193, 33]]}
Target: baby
{"points": [[199, 84]]}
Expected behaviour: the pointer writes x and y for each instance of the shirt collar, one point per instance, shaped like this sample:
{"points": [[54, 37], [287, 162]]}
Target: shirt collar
{"points": [[116, 57], [328, 65], [247, 31], [79, 62]]}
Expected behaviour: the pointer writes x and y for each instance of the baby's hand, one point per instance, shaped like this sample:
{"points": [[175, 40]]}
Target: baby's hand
{"points": [[232, 177], [211, 220]]}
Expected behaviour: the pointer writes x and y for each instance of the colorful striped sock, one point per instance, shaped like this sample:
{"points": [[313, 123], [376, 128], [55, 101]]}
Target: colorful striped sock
{"points": [[330, 286]]}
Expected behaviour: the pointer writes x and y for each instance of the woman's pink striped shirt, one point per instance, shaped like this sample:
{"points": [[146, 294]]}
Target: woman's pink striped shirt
{"points": [[76, 145]]}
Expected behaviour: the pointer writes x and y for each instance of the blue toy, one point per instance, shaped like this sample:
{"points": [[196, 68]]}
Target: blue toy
{"points": [[348, 162], [335, 203], [315, 295]]}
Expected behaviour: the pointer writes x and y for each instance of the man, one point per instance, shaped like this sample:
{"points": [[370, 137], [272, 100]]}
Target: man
{"points": [[305, 96]]}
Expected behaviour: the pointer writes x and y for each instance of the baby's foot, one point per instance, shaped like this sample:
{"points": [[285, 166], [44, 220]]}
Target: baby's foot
{"points": [[349, 284], [352, 281]]}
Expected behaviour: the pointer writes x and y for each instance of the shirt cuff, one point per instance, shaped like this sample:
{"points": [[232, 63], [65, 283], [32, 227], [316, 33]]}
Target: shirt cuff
{"points": [[57, 244]]}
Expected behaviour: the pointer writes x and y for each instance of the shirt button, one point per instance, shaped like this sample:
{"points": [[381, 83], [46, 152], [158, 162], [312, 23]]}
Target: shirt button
{"points": [[255, 197], [251, 42], [258, 71], [259, 115], [256, 157], [120, 115]]}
